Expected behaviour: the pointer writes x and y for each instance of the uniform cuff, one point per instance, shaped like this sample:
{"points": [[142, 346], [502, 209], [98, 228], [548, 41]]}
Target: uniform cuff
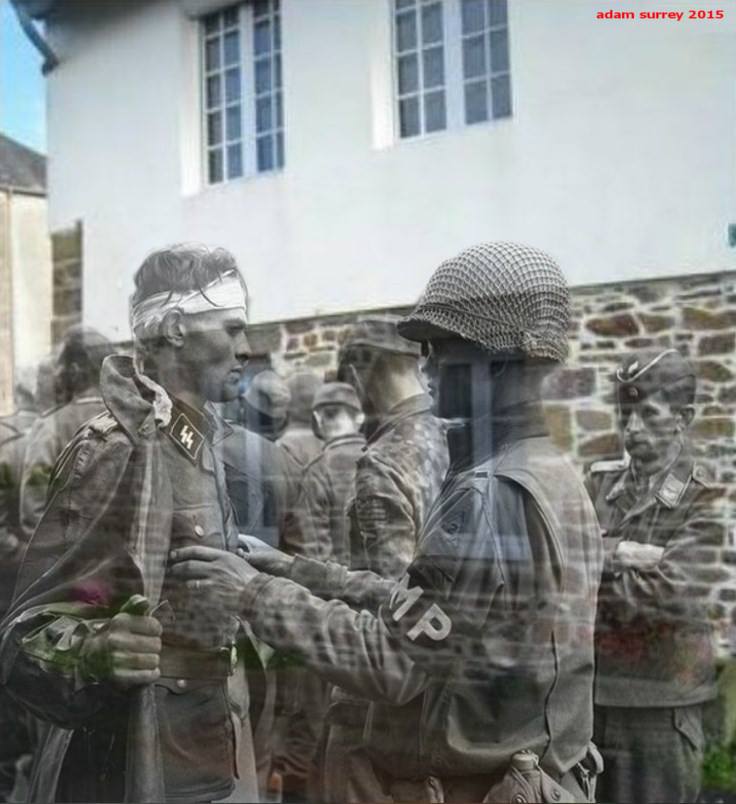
{"points": [[252, 591], [321, 578]]}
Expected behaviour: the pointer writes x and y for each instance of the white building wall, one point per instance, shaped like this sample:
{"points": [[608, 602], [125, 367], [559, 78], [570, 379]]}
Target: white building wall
{"points": [[619, 157], [30, 260]]}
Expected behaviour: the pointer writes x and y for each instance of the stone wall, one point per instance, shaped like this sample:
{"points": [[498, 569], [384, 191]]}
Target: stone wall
{"points": [[66, 251]]}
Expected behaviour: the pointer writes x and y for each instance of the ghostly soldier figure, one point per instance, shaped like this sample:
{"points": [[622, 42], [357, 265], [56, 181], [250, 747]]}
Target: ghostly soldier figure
{"points": [[654, 646], [299, 439], [133, 672], [77, 377], [318, 530], [397, 481], [492, 623]]}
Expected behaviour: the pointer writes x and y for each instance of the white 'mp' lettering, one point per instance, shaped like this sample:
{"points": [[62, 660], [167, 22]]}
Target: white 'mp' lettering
{"points": [[434, 623], [408, 597]]}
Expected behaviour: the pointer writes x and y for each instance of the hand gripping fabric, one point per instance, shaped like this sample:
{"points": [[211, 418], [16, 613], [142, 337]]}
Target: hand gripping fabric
{"points": [[505, 297]]}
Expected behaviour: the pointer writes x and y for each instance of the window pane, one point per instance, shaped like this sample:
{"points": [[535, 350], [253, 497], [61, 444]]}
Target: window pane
{"points": [[260, 8], [476, 102], [280, 149], [434, 111], [501, 94], [279, 111], [262, 37], [499, 51], [212, 54], [497, 12], [432, 23], [277, 33], [408, 74], [231, 16], [277, 80], [434, 68], [264, 149], [232, 47], [232, 86], [264, 118], [404, 4], [233, 117], [406, 32], [263, 75], [473, 12], [214, 91], [212, 23], [234, 161], [409, 117], [214, 165], [214, 128], [474, 57]]}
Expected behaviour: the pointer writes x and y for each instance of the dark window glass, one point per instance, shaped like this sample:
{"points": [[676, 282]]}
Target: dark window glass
{"points": [[260, 8], [214, 165], [231, 16], [501, 94], [262, 37], [263, 75], [279, 111], [408, 74], [212, 23], [214, 128], [434, 111], [280, 149], [432, 23], [212, 55], [473, 16], [234, 161], [474, 57], [264, 152], [233, 126], [434, 67], [264, 118], [497, 12], [476, 102], [232, 48], [409, 117], [214, 91], [499, 51], [232, 86], [406, 32]]}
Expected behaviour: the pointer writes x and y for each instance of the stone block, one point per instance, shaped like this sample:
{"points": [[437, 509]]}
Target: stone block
{"points": [[264, 339], [727, 395], [559, 422], [618, 325], [592, 420], [292, 343], [600, 447], [713, 427], [639, 343], [616, 307], [570, 383], [66, 244], [67, 301], [299, 326], [723, 343], [713, 371], [656, 323], [647, 294], [310, 341], [329, 335], [701, 319]]}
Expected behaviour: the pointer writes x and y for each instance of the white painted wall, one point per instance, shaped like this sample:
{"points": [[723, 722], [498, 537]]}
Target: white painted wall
{"points": [[30, 260], [619, 158]]}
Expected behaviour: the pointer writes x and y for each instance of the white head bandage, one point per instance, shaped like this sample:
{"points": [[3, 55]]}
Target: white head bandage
{"points": [[223, 293]]}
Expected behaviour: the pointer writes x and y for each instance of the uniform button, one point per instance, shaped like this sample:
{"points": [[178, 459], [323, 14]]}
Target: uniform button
{"points": [[181, 683], [556, 795], [199, 531], [518, 799]]}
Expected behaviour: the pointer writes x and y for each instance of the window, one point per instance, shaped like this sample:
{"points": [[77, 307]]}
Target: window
{"points": [[452, 63], [242, 90]]}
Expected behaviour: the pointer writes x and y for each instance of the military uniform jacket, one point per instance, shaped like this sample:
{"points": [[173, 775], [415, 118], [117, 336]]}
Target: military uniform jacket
{"points": [[492, 623], [398, 479], [123, 493], [318, 527], [654, 640]]}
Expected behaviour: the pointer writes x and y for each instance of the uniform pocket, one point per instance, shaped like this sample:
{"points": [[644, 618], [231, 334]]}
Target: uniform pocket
{"points": [[688, 721]]}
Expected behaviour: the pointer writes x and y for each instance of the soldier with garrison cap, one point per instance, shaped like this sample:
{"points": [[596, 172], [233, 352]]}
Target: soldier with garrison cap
{"points": [[491, 625], [654, 641]]}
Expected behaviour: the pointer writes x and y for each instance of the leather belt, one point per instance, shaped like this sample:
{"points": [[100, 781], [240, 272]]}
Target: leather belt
{"points": [[201, 665]]}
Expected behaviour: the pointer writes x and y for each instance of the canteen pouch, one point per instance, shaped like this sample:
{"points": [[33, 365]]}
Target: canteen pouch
{"points": [[525, 782]]}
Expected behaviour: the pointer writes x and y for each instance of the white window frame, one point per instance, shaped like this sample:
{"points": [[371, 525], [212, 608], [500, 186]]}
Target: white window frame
{"points": [[454, 79], [246, 67]]}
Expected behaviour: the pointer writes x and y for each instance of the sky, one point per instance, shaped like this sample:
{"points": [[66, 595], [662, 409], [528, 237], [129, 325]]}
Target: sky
{"points": [[22, 90]]}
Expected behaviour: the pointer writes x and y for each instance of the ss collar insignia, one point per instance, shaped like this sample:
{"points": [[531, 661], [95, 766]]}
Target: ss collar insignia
{"points": [[186, 436]]}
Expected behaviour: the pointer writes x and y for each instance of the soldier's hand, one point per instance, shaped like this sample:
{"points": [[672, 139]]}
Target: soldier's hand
{"points": [[220, 577], [126, 651], [264, 557], [637, 555]]}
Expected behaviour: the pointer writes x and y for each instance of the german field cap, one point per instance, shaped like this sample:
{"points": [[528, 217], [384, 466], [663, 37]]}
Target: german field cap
{"points": [[381, 332], [506, 298], [650, 370], [337, 393]]}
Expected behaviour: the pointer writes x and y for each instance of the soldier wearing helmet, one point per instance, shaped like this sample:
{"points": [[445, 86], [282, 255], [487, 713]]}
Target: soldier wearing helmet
{"points": [[655, 664], [491, 625]]}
